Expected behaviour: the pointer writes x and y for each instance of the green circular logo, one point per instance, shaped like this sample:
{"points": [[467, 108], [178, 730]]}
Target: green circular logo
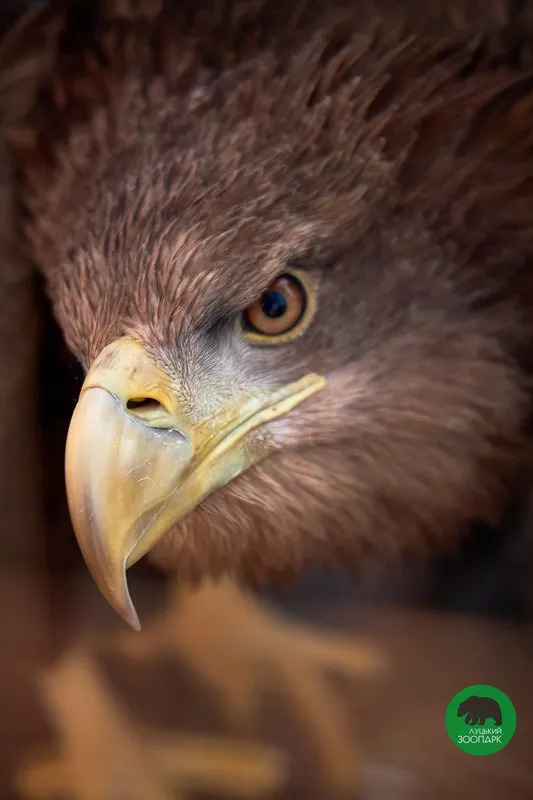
{"points": [[480, 720]]}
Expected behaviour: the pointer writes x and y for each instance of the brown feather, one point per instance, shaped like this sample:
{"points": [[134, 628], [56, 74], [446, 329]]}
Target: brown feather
{"points": [[185, 157]]}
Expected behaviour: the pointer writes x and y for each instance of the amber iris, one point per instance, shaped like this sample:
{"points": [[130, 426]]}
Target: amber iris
{"points": [[278, 309]]}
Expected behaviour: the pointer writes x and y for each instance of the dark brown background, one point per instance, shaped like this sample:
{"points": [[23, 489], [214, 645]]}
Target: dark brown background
{"points": [[440, 626]]}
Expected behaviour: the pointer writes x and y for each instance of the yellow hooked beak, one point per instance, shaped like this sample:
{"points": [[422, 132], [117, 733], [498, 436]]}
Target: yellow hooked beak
{"points": [[136, 463]]}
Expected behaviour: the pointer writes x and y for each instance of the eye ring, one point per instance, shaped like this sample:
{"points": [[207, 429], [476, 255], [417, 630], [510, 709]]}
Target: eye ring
{"points": [[282, 312]]}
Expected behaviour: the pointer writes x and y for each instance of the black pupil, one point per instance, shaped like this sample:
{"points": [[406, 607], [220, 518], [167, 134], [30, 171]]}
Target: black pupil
{"points": [[274, 304]]}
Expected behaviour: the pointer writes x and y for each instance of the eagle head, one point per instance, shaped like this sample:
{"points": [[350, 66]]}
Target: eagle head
{"points": [[290, 245]]}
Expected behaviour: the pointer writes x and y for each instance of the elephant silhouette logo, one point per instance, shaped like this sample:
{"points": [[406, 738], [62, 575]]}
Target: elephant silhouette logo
{"points": [[477, 710]]}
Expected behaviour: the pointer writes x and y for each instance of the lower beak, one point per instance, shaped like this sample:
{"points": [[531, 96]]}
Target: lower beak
{"points": [[136, 464]]}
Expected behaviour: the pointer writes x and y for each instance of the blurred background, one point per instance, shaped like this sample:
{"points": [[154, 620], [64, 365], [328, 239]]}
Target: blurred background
{"points": [[329, 687]]}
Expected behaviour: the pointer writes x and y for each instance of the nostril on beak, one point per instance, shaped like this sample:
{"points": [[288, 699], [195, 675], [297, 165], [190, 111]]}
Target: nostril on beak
{"points": [[146, 408], [144, 402], [155, 414]]}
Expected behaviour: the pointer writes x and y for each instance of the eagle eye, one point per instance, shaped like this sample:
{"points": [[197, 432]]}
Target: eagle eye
{"points": [[280, 313]]}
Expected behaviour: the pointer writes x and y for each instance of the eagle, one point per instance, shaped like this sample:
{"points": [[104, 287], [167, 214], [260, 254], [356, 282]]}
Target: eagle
{"points": [[290, 245]]}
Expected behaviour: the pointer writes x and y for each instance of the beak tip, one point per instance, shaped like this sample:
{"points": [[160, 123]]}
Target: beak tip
{"points": [[117, 594], [125, 608], [134, 622], [127, 611]]}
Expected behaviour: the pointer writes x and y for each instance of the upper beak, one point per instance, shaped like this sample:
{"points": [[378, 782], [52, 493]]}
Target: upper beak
{"points": [[136, 464]]}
